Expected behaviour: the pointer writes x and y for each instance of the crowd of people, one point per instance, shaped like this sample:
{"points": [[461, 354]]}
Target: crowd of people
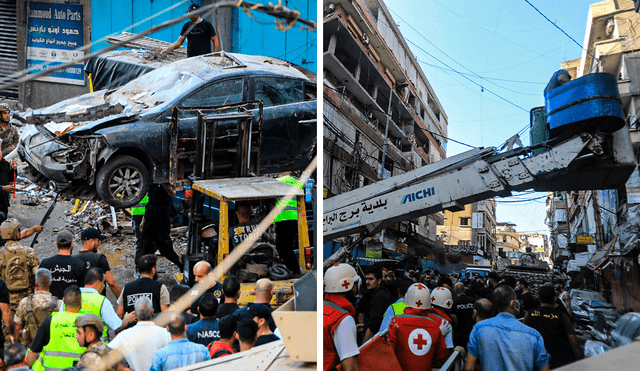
{"points": [[494, 322], [55, 312]]}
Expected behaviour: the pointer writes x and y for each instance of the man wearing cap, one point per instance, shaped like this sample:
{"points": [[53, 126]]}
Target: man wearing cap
{"points": [[65, 269], [199, 34], [18, 264], [262, 316], [91, 238], [8, 132]]}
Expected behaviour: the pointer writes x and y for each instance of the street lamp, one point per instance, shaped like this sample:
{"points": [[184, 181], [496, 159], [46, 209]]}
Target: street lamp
{"points": [[386, 129]]}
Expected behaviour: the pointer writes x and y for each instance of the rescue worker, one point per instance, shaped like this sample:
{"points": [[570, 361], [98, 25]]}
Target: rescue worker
{"points": [[55, 338], [18, 263], [338, 322], [35, 308], [441, 302], [396, 308], [416, 338], [287, 227], [137, 215], [156, 229]]}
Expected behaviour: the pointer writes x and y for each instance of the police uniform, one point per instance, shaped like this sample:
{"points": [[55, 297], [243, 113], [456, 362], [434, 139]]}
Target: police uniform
{"points": [[287, 227], [416, 340], [42, 304], [143, 286]]}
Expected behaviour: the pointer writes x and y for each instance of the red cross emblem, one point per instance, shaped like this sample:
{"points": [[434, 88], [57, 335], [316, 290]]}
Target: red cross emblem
{"points": [[419, 342], [420, 287], [419, 303], [433, 298], [448, 304], [345, 284]]}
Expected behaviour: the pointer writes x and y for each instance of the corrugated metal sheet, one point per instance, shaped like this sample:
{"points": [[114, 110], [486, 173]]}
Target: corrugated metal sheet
{"points": [[8, 45]]}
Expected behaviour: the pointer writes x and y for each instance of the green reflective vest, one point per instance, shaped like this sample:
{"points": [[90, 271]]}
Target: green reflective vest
{"points": [[92, 304], [63, 348], [139, 208], [290, 211], [398, 308]]}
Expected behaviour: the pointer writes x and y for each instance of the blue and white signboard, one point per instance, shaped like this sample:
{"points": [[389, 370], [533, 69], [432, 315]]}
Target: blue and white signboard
{"points": [[54, 37]]}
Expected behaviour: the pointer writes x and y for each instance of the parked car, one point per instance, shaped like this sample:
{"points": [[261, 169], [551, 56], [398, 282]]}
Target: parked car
{"points": [[585, 304], [112, 144], [625, 330]]}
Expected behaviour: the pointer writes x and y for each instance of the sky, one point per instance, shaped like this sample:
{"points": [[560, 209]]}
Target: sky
{"points": [[488, 63]]}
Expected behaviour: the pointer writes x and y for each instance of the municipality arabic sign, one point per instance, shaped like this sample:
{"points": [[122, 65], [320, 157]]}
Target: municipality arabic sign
{"points": [[53, 37]]}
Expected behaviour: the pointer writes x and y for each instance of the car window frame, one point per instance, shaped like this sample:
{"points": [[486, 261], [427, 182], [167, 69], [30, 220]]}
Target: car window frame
{"points": [[253, 84]]}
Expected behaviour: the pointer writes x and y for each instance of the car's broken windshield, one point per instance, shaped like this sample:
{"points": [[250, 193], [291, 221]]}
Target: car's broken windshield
{"points": [[154, 88]]}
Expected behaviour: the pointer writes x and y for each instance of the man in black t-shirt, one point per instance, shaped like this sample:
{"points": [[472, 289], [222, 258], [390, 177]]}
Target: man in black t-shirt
{"points": [[556, 329], [91, 238], [65, 269], [231, 291], [462, 308], [199, 34]]}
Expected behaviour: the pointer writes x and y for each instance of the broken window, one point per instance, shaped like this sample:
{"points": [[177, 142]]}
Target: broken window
{"points": [[274, 91], [220, 93]]}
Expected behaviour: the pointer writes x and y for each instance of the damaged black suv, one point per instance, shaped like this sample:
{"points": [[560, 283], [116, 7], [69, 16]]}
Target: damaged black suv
{"points": [[112, 144]]}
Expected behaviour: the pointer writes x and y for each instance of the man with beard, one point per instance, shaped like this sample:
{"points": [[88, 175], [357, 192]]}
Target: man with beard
{"points": [[145, 286], [338, 323], [380, 300]]}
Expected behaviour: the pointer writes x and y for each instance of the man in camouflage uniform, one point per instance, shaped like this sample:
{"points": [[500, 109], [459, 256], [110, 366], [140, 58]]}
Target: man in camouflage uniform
{"points": [[8, 132], [14, 253], [33, 309], [9, 137], [89, 329]]}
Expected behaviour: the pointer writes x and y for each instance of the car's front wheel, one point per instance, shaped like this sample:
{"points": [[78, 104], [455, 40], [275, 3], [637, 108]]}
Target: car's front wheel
{"points": [[122, 182]]}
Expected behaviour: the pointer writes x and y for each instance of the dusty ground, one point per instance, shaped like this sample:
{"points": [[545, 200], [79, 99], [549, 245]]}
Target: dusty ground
{"points": [[119, 247]]}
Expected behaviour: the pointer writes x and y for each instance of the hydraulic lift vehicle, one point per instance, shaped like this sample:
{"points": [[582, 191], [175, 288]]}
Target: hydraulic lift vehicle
{"points": [[586, 147]]}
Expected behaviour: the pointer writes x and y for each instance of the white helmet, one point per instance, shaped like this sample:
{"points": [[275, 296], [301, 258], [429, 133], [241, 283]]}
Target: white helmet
{"points": [[417, 296], [441, 297], [340, 278]]}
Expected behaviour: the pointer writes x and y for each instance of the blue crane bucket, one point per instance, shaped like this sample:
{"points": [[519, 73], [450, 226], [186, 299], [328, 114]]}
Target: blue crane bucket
{"points": [[589, 103]]}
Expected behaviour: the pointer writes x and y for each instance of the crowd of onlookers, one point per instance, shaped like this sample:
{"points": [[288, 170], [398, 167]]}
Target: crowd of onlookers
{"points": [[494, 321], [56, 315]]}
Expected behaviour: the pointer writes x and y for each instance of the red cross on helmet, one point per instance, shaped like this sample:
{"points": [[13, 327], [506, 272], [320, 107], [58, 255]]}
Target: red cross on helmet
{"points": [[417, 296], [340, 278], [441, 297]]}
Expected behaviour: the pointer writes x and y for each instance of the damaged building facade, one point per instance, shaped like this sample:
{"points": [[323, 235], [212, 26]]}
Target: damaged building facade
{"points": [[381, 115], [595, 235]]}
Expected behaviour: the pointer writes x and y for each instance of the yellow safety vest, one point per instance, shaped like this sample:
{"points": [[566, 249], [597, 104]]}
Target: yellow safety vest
{"points": [[290, 211], [92, 304], [63, 348]]}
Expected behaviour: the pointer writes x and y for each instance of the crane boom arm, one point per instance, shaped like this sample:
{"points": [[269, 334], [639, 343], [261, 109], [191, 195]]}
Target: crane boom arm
{"points": [[584, 161]]}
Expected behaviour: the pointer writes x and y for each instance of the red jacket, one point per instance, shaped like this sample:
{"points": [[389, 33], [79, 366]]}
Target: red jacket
{"points": [[335, 308], [223, 349], [416, 340]]}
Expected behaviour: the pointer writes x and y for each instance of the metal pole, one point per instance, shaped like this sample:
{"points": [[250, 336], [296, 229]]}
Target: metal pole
{"points": [[386, 133]]}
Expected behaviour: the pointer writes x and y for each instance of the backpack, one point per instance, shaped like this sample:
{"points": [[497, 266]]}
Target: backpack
{"points": [[35, 318], [15, 269]]}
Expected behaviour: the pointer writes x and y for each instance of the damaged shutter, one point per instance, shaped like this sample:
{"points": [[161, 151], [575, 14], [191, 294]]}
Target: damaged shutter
{"points": [[8, 45]]}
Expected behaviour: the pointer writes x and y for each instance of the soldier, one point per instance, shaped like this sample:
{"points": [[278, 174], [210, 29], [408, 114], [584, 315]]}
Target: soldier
{"points": [[9, 139], [33, 309], [8, 132], [89, 328], [18, 264]]}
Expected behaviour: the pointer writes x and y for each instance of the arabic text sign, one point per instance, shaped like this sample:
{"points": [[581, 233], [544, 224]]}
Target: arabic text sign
{"points": [[584, 239], [353, 215], [54, 35]]}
